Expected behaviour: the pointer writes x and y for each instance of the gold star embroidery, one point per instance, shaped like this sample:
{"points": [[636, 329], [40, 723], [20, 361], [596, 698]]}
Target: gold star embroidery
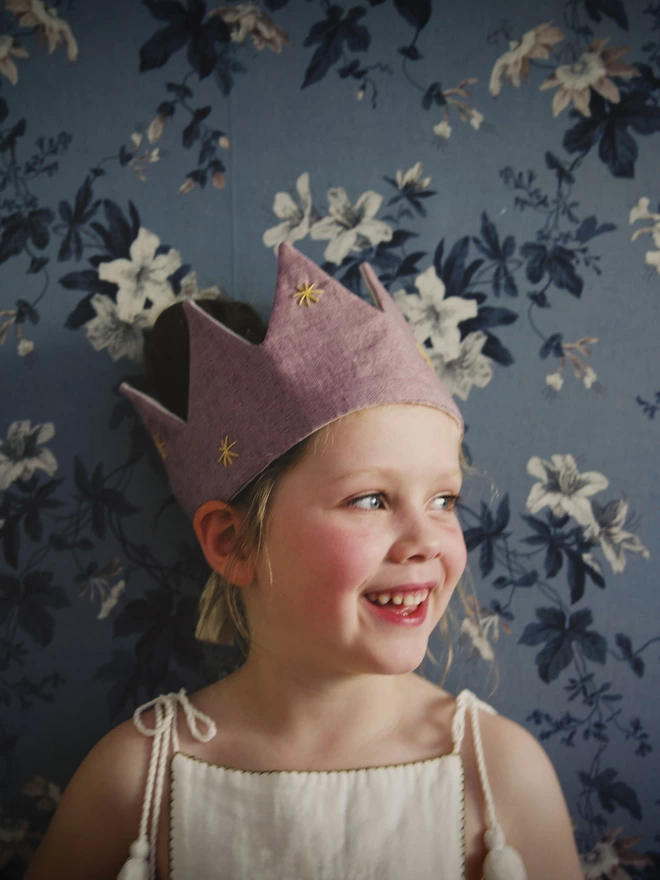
{"points": [[226, 455], [160, 446], [307, 293], [423, 353]]}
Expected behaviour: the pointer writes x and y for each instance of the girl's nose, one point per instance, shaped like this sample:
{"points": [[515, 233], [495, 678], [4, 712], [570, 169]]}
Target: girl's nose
{"points": [[419, 539]]}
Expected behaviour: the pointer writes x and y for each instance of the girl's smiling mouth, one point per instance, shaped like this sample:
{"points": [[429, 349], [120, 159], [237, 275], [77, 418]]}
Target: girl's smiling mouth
{"points": [[405, 605]]}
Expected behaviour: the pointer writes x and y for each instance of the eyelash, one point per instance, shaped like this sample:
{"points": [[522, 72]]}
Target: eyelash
{"points": [[452, 499]]}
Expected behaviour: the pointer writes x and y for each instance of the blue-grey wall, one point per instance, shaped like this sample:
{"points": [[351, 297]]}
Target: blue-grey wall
{"points": [[159, 139]]}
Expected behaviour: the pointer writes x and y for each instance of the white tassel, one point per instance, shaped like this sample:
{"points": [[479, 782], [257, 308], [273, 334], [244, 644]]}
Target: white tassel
{"points": [[136, 866], [502, 862]]}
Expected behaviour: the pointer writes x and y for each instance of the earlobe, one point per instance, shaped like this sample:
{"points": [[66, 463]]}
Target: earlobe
{"points": [[216, 525]]}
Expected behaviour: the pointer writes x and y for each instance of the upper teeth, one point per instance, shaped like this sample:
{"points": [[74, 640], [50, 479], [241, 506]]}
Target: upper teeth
{"points": [[399, 598]]}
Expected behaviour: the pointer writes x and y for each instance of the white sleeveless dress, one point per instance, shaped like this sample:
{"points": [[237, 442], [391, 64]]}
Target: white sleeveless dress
{"points": [[399, 822]]}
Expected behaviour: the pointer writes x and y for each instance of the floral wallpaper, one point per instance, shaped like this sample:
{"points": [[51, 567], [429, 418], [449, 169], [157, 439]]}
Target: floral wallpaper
{"points": [[496, 162]]}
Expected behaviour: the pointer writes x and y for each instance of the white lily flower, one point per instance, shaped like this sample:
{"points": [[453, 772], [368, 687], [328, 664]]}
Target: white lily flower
{"points": [[295, 217], [21, 454], [562, 488], [350, 227], [144, 276]]}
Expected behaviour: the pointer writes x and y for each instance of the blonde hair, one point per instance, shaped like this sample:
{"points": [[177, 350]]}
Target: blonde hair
{"points": [[222, 615]]}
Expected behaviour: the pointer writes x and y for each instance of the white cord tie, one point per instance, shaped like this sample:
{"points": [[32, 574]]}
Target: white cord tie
{"points": [[141, 864], [502, 861]]}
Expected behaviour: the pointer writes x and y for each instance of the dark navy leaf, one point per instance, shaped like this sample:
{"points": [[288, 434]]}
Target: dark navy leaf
{"points": [[166, 109], [37, 264], [486, 558], [416, 12], [167, 10], [539, 298], [562, 272], [589, 229], [412, 53], [9, 142], [537, 525], [473, 537], [88, 279], [488, 316], [554, 164], [554, 658], [553, 560], [119, 229], [116, 503], [608, 124], [613, 793], [502, 516], [494, 349], [225, 67], [38, 222], [580, 620], [11, 540], [527, 580], [552, 345], [624, 644], [594, 575], [619, 151], [15, 232], [332, 34], [558, 262], [161, 46], [191, 133], [26, 312], [180, 90], [201, 49], [611, 8], [433, 96], [82, 313], [594, 646], [535, 255]]}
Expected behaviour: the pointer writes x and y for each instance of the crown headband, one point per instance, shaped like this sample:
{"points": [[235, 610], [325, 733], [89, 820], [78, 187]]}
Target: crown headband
{"points": [[327, 353]]}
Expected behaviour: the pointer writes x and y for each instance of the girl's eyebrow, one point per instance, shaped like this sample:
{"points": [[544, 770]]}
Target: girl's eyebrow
{"points": [[450, 473]]}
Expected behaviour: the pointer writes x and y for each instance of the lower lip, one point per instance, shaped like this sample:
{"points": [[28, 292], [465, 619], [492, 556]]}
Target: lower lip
{"points": [[403, 615]]}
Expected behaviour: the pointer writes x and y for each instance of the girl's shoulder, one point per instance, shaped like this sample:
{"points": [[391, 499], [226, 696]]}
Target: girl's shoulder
{"points": [[96, 819]]}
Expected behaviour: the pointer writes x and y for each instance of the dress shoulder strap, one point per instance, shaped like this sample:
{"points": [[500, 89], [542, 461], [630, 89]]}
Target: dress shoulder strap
{"points": [[502, 861], [141, 864]]}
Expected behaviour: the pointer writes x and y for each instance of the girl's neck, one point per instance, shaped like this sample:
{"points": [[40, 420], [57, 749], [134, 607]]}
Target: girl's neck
{"points": [[312, 713]]}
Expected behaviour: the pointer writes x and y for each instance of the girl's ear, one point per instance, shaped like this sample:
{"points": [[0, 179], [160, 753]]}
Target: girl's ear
{"points": [[216, 525]]}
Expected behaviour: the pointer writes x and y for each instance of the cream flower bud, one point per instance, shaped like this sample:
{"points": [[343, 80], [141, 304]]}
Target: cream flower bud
{"points": [[156, 128], [187, 186], [25, 346], [218, 180]]}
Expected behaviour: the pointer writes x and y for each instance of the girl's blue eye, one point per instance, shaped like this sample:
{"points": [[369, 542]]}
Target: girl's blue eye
{"points": [[449, 501], [375, 495]]}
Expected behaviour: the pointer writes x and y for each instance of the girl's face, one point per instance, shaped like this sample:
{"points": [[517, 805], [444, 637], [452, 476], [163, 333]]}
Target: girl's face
{"points": [[367, 513]]}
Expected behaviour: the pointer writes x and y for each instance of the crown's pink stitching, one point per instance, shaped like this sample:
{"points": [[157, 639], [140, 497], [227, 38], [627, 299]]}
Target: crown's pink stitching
{"points": [[307, 293], [226, 454]]}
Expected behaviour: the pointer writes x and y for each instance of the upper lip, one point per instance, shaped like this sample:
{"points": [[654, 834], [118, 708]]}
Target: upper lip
{"points": [[404, 588]]}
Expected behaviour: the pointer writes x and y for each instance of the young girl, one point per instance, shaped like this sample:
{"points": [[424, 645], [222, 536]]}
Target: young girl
{"points": [[321, 468]]}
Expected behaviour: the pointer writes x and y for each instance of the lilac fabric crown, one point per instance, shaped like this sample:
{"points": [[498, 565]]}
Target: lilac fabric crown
{"points": [[326, 353]]}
